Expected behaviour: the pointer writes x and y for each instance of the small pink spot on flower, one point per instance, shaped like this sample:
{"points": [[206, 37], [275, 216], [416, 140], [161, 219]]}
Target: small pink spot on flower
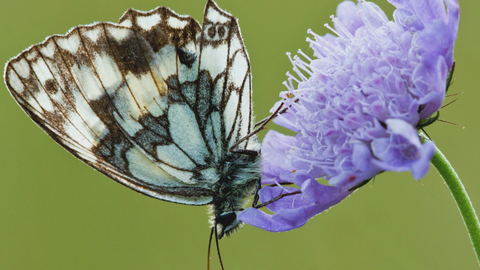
{"points": [[352, 178]]}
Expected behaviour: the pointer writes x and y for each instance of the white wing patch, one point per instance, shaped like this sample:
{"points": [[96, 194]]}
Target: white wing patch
{"points": [[176, 23], [154, 102], [148, 22], [119, 34], [93, 34], [142, 168], [48, 50], [88, 82], [231, 112], [15, 81], [22, 68], [240, 67], [107, 72], [168, 57], [71, 44], [215, 16], [214, 59]]}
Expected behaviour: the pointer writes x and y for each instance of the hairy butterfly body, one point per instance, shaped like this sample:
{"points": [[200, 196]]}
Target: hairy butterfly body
{"points": [[156, 102]]}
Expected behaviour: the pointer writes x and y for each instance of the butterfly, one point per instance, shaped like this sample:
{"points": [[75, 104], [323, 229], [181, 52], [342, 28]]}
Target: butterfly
{"points": [[157, 102]]}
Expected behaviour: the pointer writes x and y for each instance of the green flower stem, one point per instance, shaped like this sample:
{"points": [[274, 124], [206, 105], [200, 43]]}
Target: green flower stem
{"points": [[446, 171]]}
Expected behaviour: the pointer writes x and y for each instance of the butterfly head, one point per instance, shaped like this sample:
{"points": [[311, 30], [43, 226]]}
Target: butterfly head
{"points": [[227, 223]]}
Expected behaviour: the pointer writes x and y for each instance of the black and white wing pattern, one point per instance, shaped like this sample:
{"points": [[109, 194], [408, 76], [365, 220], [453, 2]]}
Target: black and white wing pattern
{"points": [[153, 102]]}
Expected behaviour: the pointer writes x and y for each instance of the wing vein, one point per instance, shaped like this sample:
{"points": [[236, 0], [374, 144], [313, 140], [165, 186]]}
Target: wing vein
{"points": [[94, 70], [197, 85], [229, 66], [54, 105], [237, 114], [64, 91], [149, 70], [166, 139], [26, 89], [117, 63]]}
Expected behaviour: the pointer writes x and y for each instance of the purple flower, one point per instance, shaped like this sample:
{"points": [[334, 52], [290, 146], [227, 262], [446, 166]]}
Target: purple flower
{"points": [[356, 107]]}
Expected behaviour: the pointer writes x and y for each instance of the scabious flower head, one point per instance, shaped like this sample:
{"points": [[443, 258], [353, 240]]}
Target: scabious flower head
{"points": [[356, 106]]}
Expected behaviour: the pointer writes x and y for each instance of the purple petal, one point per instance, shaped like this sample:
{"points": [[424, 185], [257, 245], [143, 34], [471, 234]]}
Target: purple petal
{"points": [[426, 10], [274, 148], [347, 13], [408, 20], [403, 151], [287, 119], [262, 220], [267, 193], [316, 199], [406, 130], [374, 14], [453, 16], [421, 166]]}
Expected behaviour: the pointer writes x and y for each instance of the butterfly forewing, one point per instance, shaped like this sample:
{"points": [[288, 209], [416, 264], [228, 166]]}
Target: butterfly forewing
{"points": [[222, 43], [154, 102]]}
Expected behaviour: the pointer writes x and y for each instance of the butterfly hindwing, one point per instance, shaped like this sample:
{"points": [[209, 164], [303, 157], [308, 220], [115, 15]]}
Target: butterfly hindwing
{"points": [[69, 94], [153, 102]]}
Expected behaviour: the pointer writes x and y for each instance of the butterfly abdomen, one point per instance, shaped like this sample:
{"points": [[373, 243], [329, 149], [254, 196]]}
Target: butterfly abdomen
{"points": [[237, 182]]}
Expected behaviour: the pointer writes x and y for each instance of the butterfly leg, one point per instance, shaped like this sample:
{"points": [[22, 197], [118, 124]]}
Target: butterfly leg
{"points": [[256, 205], [258, 186], [252, 153], [256, 197], [255, 131], [264, 120]]}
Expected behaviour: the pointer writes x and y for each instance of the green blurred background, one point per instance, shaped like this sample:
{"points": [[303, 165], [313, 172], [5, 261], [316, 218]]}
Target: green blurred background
{"points": [[57, 213]]}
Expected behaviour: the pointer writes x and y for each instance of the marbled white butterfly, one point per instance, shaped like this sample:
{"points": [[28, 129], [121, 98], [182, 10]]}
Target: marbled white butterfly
{"points": [[156, 102]]}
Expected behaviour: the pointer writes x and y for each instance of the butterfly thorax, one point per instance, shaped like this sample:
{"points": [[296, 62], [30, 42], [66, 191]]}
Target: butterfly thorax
{"points": [[238, 176]]}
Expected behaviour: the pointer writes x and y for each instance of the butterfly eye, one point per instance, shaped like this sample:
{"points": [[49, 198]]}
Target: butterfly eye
{"points": [[226, 218]]}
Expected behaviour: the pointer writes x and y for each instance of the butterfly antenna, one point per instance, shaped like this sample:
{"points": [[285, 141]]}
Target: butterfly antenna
{"points": [[209, 246], [218, 248]]}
